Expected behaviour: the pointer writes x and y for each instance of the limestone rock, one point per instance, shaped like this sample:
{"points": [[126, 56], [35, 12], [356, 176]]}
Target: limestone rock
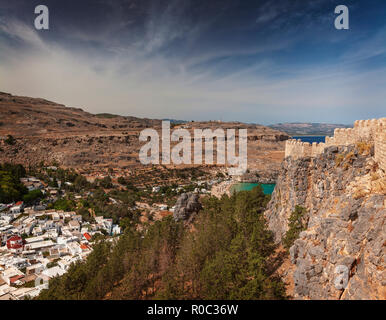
{"points": [[346, 224], [187, 206]]}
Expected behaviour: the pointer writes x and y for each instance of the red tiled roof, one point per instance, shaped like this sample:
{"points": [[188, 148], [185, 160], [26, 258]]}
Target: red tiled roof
{"points": [[14, 238], [18, 203], [87, 236], [84, 247], [15, 278], [15, 245]]}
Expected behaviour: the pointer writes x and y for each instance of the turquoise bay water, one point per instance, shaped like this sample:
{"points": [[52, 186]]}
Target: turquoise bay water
{"points": [[246, 186], [268, 188]]}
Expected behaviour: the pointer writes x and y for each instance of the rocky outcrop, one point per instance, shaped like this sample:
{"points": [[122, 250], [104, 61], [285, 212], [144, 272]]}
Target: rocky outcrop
{"points": [[341, 253], [187, 206]]}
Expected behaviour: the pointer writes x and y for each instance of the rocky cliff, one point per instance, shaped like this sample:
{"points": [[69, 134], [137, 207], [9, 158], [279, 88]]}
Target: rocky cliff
{"points": [[340, 254], [187, 207]]}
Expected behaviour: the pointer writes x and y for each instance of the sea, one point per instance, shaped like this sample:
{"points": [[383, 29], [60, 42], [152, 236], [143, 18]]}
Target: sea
{"points": [[310, 139], [246, 186], [269, 187]]}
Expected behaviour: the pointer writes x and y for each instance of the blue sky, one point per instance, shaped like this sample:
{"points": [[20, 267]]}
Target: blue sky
{"points": [[251, 61]]}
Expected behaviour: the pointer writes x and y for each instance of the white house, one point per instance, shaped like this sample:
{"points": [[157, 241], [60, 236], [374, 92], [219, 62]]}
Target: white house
{"points": [[10, 274], [77, 217], [37, 231], [74, 225], [64, 264], [55, 216], [74, 248], [22, 293], [116, 229], [34, 239], [17, 208], [34, 269], [40, 246], [53, 272], [163, 207]]}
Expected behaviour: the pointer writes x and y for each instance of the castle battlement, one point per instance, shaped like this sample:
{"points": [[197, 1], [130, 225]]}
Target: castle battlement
{"points": [[370, 131]]}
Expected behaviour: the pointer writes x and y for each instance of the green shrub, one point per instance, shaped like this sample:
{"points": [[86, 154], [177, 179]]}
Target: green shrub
{"points": [[11, 189], [10, 140], [297, 223], [32, 196], [106, 115], [52, 264], [64, 204]]}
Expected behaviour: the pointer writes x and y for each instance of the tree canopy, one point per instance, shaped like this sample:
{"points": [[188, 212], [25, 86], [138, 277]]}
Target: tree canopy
{"points": [[11, 189], [223, 255]]}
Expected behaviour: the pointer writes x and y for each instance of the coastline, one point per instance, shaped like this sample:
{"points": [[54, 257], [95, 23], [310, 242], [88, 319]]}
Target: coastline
{"points": [[223, 188]]}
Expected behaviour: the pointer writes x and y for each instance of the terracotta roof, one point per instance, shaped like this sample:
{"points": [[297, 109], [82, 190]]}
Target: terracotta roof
{"points": [[14, 238], [87, 236], [30, 277], [15, 278], [84, 247]]}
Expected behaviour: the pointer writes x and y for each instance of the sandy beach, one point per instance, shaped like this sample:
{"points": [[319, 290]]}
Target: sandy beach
{"points": [[222, 188]]}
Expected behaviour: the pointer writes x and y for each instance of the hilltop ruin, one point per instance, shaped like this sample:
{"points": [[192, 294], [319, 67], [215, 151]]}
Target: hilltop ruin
{"points": [[365, 131]]}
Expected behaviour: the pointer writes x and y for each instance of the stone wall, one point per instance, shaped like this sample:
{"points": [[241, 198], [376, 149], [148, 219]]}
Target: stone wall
{"points": [[380, 146], [369, 131], [298, 149]]}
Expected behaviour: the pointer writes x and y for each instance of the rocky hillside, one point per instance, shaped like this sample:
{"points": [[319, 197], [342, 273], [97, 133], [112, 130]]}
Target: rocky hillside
{"points": [[344, 193], [26, 117], [47, 131]]}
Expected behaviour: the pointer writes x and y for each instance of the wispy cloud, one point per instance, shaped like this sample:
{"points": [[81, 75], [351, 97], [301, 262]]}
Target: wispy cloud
{"points": [[170, 68], [20, 32]]}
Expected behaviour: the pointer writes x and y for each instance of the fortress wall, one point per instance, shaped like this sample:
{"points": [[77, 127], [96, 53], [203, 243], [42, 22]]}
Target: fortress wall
{"points": [[365, 129], [370, 131], [345, 136], [380, 146], [317, 148], [329, 141], [297, 149]]}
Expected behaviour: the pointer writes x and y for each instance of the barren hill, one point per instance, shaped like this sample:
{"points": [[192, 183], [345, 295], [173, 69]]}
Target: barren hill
{"points": [[51, 132], [25, 117], [322, 129]]}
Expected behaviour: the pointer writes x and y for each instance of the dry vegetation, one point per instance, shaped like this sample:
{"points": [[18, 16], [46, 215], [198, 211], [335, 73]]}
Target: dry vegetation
{"points": [[48, 132]]}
